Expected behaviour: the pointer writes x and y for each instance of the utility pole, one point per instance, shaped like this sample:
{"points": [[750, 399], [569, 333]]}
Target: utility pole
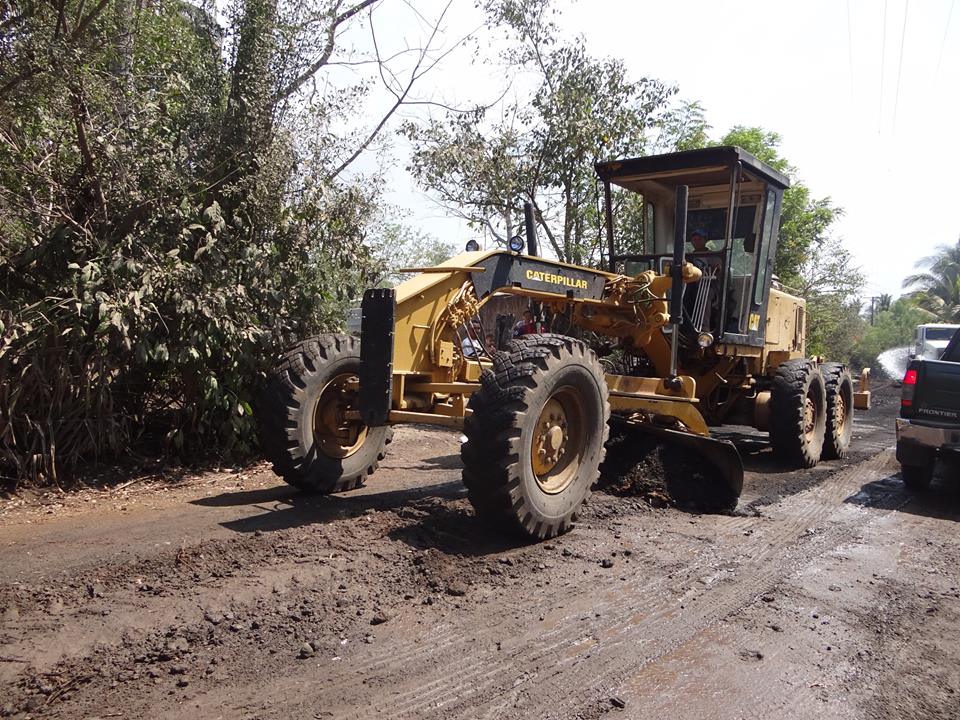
{"points": [[873, 304]]}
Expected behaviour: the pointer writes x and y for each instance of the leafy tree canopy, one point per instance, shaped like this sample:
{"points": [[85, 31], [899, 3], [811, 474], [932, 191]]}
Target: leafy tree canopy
{"points": [[583, 109], [891, 328], [936, 289], [174, 209]]}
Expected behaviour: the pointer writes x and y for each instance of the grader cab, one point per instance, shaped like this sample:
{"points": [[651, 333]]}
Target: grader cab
{"points": [[691, 336]]}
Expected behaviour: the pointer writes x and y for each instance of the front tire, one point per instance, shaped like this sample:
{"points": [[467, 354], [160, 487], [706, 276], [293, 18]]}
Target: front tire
{"points": [[839, 419], [537, 435], [303, 431], [798, 404]]}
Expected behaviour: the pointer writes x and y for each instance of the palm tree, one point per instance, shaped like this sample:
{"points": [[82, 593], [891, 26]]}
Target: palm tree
{"points": [[937, 289]]}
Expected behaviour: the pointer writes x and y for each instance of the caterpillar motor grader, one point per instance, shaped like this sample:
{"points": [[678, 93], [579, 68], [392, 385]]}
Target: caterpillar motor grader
{"points": [[702, 337]]}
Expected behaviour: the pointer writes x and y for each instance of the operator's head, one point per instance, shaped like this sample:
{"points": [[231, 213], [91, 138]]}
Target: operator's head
{"points": [[528, 316], [699, 240]]}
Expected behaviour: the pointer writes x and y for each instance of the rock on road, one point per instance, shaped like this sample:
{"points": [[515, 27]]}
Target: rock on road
{"points": [[831, 593]]}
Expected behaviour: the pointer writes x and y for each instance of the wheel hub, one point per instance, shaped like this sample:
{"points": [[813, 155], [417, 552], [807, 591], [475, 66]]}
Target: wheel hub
{"points": [[336, 436], [550, 440], [809, 416], [840, 413], [558, 441]]}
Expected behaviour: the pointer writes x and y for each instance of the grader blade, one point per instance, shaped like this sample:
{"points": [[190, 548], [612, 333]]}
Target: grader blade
{"points": [[710, 479]]}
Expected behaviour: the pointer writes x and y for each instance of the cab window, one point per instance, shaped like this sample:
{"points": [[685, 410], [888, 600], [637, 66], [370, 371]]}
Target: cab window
{"points": [[765, 242]]}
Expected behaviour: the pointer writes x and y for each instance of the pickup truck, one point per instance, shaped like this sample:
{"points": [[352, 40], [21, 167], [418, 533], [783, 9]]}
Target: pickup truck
{"points": [[930, 340], [929, 422]]}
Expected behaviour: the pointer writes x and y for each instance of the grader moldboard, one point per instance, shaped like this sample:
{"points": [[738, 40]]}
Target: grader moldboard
{"points": [[702, 338]]}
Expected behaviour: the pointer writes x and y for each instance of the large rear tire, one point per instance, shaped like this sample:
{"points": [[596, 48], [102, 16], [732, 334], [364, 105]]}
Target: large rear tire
{"points": [[839, 420], [537, 434], [798, 402], [303, 431]]}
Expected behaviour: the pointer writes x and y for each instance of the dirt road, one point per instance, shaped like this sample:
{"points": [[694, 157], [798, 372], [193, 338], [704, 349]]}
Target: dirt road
{"points": [[832, 593]]}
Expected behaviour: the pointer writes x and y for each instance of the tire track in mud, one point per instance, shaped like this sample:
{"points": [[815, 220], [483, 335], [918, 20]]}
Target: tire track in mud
{"points": [[460, 674], [453, 670], [662, 621], [818, 503]]}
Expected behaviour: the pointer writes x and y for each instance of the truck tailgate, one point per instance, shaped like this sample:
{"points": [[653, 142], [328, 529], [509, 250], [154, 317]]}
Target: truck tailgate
{"points": [[937, 392]]}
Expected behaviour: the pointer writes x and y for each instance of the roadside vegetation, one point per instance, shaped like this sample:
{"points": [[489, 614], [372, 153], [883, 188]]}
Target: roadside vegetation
{"points": [[182, 195]]}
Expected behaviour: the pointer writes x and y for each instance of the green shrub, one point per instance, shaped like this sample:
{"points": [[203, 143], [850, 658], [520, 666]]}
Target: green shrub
{"points": [[152, 263]]}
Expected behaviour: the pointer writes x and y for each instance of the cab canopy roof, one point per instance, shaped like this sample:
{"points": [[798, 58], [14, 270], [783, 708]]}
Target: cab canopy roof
{"points": [[709, 166]]}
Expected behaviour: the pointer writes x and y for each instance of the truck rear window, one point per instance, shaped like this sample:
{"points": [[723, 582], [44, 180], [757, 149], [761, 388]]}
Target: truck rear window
{"points": [[939, 333], [952, 352]]}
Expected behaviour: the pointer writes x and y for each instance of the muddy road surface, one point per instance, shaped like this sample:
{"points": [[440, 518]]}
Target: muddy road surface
{"points": [[831, 593]]}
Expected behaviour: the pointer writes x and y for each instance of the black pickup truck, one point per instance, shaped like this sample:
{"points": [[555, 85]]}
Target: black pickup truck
{"points": [[929, 422]]}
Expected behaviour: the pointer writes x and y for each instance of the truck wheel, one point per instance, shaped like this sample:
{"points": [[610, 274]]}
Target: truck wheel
{"points": [[798, 402], [303, 431], [488, 497], [839, 429], [536, 438], [917, 477]]}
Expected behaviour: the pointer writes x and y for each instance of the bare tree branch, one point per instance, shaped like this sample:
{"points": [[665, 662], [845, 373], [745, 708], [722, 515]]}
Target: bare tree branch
{"points": [[335, 22], [497, 236], [419, 70], [85, 22], [546, 228]]}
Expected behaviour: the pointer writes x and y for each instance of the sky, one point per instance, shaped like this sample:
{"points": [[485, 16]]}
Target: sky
{"points": [[865, 94]]}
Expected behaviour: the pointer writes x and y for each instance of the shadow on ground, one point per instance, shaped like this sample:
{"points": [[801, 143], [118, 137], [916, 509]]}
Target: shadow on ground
{"points": [[941, 500], [457, 530], [427, 518], [286, 507]]}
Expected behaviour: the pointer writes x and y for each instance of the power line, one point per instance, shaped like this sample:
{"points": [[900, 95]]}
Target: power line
{"points": [[946, 30], [903, 41], [850, 48], [883, 63]]}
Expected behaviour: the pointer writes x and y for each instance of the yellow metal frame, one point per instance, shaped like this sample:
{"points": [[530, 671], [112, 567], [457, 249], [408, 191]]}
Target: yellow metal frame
{"points": [[432, 379]]}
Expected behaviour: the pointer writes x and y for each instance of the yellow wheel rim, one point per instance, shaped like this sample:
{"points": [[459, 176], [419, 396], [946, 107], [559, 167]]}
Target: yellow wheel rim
{"points": [[809, 417], [336, 436], [840, 414], [559, 438]]}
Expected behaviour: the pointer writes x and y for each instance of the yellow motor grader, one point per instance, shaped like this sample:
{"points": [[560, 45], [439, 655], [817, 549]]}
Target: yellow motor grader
{"points": [[690, 338]]}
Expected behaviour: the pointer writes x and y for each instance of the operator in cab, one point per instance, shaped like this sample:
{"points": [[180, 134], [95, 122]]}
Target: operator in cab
{"points": [[698, 242]]}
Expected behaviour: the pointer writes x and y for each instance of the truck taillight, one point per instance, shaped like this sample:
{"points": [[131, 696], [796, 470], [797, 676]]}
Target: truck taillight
{"points": [[909, 386]]}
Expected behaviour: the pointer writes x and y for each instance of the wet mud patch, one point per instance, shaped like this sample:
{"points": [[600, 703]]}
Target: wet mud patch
{"points": [[639, 464], [634, 467]]}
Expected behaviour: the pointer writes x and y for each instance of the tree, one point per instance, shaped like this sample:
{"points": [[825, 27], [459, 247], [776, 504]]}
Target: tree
{"points": [[936, 290], [175, 209], [832, 285], [400, 246], [683, 127], [582, 110], [892, 327], [804, 221]]}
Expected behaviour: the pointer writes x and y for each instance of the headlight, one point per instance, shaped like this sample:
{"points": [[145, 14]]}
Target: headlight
{"points": [[472, 246], [705, 340], [516, 243]]}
